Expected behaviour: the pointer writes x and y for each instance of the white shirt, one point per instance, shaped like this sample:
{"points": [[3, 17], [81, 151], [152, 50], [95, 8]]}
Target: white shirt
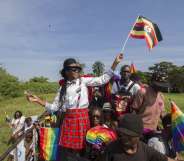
{"points": [[156, 144], [74, 90], [17, 124], [133, 90]]}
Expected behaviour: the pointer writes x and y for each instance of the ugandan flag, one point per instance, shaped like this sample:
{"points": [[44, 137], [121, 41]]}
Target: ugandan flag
{"points": [[146, 29]]}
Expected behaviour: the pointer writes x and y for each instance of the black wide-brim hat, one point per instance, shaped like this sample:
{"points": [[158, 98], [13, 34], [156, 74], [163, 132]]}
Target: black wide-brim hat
{"points": [[67, 63]]}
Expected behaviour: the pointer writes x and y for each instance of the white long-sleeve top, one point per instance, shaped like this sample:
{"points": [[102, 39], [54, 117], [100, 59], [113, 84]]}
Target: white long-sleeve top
{"points": [[75, 89], [17, 124]]}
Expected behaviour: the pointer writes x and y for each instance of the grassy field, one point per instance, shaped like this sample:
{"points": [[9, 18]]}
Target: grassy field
{"points": [[12, 105], [28, 109], [177, 98]]}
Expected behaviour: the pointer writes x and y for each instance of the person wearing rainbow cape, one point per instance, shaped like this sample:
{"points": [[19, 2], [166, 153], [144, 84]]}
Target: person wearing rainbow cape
{"points": [[72, 98]]}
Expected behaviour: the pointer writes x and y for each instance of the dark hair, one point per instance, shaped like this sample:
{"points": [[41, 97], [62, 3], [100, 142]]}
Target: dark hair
{"points": [[95, 108], [62, 72], [28, 119], [155, 86], [69, 61], [62, 92], [153, 83], [20, 113], [123, 67], [66, 63]]}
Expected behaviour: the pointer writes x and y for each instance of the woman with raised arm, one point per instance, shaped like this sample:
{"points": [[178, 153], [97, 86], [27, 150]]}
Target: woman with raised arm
{"points": [[72, 98]]}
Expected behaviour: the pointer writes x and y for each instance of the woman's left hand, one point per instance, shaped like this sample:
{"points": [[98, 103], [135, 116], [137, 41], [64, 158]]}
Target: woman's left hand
{"points": [[118, 58]]}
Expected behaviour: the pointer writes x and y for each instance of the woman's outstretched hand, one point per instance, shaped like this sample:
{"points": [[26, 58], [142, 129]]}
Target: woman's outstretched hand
{"points": [[33, 98]]}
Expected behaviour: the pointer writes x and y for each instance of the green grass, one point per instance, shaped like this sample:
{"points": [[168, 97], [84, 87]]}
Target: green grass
{"points": [[177, 98], [11, 105]]}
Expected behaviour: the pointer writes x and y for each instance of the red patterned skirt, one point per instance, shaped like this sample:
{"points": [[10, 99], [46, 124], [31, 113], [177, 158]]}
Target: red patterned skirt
{"points": [[74, 129]]}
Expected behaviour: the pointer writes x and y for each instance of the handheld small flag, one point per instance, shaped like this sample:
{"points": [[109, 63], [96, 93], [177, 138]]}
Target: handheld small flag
{"points": [[132, 68], [146, 29], [177, 127], [48, 144]]}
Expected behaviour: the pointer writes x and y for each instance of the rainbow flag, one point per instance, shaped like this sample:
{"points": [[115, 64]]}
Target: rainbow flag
{"points": [[177, 127], [133, 68], [48, 144], [100, 135], [146, 29]]}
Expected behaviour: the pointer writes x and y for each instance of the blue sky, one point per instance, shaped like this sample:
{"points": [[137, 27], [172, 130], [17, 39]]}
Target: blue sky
{"points": [[37, 35]]}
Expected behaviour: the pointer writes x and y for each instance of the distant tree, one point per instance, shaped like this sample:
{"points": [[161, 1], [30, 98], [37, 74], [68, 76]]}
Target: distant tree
{"points": [[9, 85], [83, 66], [144, 76], [4, 75], [2, 71], [39, 79], [176, 78], [161, 70], [98, 68]]}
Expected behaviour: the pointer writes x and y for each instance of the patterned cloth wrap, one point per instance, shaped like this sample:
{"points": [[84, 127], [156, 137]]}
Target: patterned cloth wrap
{"points": [[73, 131]]}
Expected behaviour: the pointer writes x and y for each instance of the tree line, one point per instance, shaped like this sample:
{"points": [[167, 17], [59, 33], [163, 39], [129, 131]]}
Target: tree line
{"points": [[11, 87], [167, 72]]}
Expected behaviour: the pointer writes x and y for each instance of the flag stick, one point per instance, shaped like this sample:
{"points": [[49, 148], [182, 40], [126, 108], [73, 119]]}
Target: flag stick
{"points": [[170, 101], [122, 49]]}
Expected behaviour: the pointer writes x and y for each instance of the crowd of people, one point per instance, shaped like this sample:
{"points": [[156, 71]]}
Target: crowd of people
{"points": [[133, 110]]}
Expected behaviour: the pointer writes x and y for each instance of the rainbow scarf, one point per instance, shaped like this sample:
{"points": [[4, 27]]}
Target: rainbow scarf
{"points": [[100, 135], [48, 144], [177, 127]]}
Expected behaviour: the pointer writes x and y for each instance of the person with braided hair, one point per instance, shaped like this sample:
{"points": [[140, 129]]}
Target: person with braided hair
{"points": [[72, 99]]}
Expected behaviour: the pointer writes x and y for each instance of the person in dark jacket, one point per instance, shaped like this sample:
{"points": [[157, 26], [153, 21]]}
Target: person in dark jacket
{"points": [[128, 147]]}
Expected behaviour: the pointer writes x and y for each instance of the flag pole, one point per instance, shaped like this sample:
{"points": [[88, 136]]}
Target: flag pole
{"points": [[122, 49], [170, 101]]}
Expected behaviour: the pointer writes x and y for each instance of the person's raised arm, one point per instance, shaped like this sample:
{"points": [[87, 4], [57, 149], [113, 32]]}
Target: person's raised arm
{"points": [[117, 60], [96, 81]]}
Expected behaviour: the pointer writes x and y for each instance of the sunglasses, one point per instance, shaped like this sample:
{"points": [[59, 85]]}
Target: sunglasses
{"points": [[125, 71], [73, 69], [96, 116]]}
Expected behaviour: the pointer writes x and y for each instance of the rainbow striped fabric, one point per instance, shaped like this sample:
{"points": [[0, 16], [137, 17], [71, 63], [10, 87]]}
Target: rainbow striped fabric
{"points": [[48, 144], [100, 135], [177, 127]]}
